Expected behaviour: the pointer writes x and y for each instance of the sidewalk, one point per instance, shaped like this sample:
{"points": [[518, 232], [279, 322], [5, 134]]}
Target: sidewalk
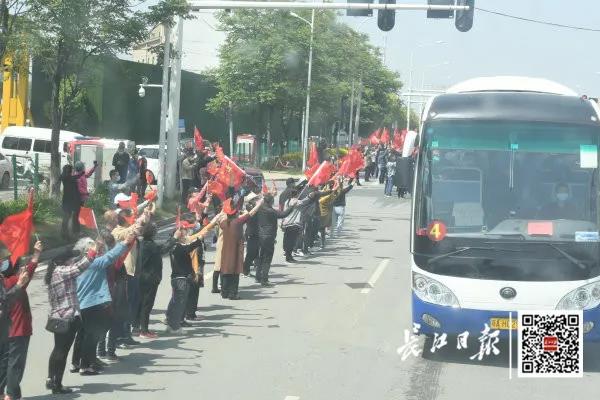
{"points": [[280, 175]]}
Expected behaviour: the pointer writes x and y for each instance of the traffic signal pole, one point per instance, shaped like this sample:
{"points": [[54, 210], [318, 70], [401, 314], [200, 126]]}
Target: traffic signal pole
{"points": [[281, 5]]}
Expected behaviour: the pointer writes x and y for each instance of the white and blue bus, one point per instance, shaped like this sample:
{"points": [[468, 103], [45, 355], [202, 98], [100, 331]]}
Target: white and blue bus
{"points": [[505, 210]]}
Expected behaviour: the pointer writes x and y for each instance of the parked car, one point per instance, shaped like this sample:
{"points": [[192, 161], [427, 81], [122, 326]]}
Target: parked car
{"points": [[5, 172]]}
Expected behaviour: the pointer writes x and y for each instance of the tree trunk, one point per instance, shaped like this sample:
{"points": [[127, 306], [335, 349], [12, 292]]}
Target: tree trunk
{"points": [[4, 15], [269, 112], [56, 124]]}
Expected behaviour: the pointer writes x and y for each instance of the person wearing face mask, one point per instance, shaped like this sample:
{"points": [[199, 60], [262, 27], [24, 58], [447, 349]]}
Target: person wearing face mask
{"points": [[64, 319], [95, 300], [13, 354], [562, 207], [115, 187]]}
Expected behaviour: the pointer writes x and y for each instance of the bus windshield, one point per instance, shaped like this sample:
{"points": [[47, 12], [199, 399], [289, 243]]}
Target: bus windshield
{"points": [[524, 193]]}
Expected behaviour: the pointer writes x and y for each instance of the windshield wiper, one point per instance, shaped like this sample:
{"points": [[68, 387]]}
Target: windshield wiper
{"points": [[463, 249], [566, 255]]}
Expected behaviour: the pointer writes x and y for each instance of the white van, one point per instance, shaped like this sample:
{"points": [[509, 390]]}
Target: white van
{"points": [[23, 141]]}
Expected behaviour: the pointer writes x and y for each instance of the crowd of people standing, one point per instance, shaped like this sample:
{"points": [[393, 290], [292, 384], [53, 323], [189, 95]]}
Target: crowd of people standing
{"points": [[102, 290], [392, 166]]}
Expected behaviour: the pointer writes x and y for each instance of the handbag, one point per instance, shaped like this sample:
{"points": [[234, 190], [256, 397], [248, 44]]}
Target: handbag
{"points": [[58, 325]]}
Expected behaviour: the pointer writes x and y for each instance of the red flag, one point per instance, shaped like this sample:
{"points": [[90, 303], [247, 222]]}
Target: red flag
{"points": [[217, 189], [311, 171], [228, 167], [351, 163], [385, 136], [16, 230], [151, 196], [322, 174], [265, 189], [374, 137], [313, 158], [198, 140], [87, 218]]}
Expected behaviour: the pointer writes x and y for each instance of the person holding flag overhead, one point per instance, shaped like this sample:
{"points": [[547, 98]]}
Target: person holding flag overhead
{"points": [[232, 251], [13, 353]]}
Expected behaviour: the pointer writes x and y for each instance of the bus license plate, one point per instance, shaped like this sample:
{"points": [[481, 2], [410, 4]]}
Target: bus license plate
{"points": [[503, 323]]}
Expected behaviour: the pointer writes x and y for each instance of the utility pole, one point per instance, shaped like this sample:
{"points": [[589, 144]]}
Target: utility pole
{"points": [[230, 113], [163, 116], [307, 111], [357, 118], [351, 111], [174, 92]]}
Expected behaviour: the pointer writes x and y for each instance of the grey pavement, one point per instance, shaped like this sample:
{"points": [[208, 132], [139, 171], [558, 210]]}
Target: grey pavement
{"points": [[329, 329]]}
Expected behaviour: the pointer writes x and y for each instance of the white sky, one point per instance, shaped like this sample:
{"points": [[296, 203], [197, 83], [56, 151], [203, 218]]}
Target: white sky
{"points": [[495, 46]]}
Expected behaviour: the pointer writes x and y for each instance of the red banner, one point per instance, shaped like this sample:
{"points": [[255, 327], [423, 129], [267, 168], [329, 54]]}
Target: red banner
{"points": [[322, 174], [198, 140], [87, 218], [16, 231]]}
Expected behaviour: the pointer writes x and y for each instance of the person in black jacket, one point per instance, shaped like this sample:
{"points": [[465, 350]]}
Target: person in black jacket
{"points": [[121, 162], [290, 187], [267, 218], [71, 201], [150, 254], [251, 236], [182, 274]]}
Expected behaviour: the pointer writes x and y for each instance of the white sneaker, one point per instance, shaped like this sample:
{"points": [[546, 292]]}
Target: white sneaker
{"points": [[299, 253]]}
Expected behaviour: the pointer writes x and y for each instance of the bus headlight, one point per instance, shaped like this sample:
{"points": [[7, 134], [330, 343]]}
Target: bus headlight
{"points": [[432, 291], [582, 298]]}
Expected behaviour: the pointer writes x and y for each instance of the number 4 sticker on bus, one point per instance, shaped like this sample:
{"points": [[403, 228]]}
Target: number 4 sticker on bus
{"points": [[436, 231]]}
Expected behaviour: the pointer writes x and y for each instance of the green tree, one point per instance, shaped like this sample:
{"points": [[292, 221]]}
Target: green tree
{"points": [[65, 34], [263, 68]]}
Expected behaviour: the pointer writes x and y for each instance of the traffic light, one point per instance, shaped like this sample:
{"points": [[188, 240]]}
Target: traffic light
{"points": [[386, 18], [359, 13], [437, 13], [464, 19]]}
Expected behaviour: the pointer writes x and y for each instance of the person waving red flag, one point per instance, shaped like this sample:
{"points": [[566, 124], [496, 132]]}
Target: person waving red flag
{"points": [[322, 174], [198, 140], [374, 137], [16, 231]]}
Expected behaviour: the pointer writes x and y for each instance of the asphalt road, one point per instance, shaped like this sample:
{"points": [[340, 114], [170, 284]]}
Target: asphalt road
{"points": [[329, 329]]}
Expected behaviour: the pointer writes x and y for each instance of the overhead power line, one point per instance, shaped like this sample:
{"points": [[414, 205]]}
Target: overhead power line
{"points": [[537, 21]]}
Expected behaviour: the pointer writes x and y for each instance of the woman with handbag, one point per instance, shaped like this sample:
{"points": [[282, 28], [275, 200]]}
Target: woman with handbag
{"points": [[94, 301], [64, 319]]}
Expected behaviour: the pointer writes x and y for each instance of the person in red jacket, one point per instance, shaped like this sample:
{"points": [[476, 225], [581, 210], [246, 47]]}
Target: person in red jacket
{"points": [[13, 353]]}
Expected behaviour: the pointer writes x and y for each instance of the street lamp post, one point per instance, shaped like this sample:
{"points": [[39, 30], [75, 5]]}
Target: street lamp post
{"points": [[164, 104], [307, 111]]}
